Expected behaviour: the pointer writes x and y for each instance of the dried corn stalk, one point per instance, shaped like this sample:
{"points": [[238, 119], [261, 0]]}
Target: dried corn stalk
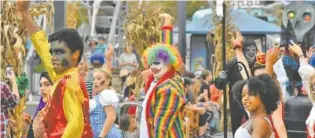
{"points": [[142, 26], [72, 14], [12, 48], [216, 41], [142, 29], [13, 33], [17, 120]]}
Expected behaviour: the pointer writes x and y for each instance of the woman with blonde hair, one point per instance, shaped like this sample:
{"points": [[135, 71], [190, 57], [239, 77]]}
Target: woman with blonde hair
{"points": [[103, 106]]}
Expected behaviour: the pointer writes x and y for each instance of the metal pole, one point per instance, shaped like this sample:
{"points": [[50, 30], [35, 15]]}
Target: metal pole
{"points": [[96, 6], [112, 31], [60, 16], [224, 64], [181, 14]]}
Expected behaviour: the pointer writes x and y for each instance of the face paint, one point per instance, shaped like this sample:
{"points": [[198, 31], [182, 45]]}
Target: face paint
{"points": [[158, 68], [98, 81], [61, 56], [65, 63], [102, 82], [250, 53]]}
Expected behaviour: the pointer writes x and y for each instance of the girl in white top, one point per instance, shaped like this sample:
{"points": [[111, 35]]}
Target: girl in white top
{"points": [[103, 106], [259, 96]]}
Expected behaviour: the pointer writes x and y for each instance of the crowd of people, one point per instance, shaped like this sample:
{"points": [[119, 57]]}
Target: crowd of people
{"points": [[271, 96]]}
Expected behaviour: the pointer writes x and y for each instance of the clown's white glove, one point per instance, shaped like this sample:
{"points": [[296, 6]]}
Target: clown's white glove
{"points": [[310, 122]]}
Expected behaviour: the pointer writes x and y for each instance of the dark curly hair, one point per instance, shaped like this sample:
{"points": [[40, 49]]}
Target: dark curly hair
{"points": [[72, 39], [262, 85]]}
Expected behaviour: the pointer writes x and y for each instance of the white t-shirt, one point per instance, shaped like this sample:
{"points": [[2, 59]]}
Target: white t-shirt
{"points": [[128, 58], [143, 122]]}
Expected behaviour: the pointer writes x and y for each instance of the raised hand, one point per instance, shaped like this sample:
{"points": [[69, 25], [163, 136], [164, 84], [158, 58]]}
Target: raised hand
{"points": [[295, 48], [167, 20], [273, 54], [238, 41], [23, 6]]}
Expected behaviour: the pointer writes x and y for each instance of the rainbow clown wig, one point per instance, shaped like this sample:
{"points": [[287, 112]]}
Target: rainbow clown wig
{"points": [[165, 52]]}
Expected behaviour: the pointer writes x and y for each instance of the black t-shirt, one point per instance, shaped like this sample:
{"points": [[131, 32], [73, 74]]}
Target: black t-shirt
{"points": [[204, 86]]}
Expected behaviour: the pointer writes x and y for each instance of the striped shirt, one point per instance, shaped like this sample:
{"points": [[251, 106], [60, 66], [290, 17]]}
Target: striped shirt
{"points": [[166, 109], [89, 88]]}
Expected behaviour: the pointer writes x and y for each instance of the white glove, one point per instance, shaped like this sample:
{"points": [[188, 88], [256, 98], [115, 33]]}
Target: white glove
{"points": [[223, 75]]}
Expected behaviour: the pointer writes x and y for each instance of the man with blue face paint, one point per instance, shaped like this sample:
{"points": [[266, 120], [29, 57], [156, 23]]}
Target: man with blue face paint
{"points": [[68, 111]]}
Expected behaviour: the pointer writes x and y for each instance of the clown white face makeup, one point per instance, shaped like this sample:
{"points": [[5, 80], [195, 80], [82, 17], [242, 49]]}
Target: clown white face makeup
{"points": [[158, 68], [250, 53]]}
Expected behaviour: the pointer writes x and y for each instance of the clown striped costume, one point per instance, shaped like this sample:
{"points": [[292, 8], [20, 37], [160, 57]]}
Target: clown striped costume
{"points": [[164, 108]]}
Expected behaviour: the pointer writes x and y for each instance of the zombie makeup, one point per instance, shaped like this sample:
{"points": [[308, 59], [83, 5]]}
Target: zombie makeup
{"points": [[61, 56], [250, 53]]}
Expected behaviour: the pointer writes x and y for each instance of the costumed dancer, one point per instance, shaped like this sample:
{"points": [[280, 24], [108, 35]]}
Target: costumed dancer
{"points": [[245, 53], [68, 113], [261, 67], [165, 96], [103, 106], [259, 95]]}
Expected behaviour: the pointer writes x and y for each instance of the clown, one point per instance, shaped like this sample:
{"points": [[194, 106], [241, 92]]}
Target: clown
{"points": [[165, 96], [68, 110]]}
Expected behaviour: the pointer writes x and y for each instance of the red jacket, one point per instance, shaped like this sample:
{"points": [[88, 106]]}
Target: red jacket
{"points": [[55, 122]]}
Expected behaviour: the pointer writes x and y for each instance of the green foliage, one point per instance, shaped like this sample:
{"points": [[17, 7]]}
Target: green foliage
{"points": [[39, 68], [83, 16]]}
